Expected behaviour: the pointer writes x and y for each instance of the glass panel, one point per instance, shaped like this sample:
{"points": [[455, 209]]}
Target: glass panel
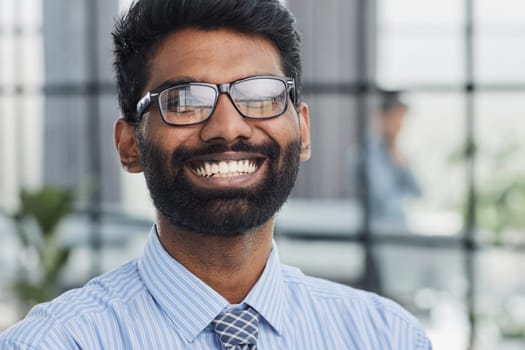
{"points": [[500, 135], [431, 283], [32, 60], [500, 53], [21, 146], [419, 42], [342, 262], [443, 11], [6, 13], [30, 143], [329, 45], [7, 59], [31, 13], [500, 41], [500, 11], [9, 154], [500, 300], [415, 57]]}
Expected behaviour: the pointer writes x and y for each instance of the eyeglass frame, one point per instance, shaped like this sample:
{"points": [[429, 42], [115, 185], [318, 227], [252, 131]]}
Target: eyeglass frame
{"points": [[225, 88]]}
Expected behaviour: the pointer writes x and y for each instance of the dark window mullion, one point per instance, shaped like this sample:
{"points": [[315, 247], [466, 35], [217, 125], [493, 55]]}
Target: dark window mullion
{"points": [[469, 245]]}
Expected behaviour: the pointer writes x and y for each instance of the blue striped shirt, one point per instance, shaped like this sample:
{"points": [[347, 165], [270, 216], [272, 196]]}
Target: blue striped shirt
{"points": [[153, 302]]}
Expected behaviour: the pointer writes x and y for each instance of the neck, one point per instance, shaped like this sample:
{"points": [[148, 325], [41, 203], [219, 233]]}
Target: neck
{"points": [[231, 265]]}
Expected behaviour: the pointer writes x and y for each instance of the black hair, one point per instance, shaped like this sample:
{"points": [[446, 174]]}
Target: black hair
{"points": [[139, 32], [391, 99]]}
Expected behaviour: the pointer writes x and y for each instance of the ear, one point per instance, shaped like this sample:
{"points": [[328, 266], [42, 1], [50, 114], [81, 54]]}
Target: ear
{"points": [[127, 147], [304, 123]]}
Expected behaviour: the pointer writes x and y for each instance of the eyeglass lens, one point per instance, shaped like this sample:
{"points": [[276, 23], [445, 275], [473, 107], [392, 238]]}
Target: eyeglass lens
{"points": [[194, 102]]}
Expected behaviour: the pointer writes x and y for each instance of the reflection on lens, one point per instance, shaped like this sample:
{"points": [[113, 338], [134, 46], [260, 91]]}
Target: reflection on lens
{"points": [[187, 104], [259, 98]]}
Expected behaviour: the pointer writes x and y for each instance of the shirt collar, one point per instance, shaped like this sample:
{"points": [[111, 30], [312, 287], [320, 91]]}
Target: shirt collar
{"points": [[191, 304], [188, 302], [268, 294]]}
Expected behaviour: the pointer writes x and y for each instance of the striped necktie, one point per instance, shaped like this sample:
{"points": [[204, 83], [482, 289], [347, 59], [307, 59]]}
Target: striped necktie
{"points": [[237, 329]]}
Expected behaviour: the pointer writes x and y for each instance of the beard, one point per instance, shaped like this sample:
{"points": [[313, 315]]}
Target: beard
{"points": [[223, 212]]}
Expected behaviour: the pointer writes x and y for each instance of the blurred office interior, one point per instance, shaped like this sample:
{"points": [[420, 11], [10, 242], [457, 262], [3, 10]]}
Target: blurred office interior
{"points": [[456, 257]]}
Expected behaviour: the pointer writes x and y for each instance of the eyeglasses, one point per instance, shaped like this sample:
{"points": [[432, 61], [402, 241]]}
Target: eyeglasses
{"points": [[257, 97]]}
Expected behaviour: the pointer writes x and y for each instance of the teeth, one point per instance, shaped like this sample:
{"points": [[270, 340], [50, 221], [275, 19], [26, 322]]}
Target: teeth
{"points": [[223, 168], [226, 168], [233, 167]]}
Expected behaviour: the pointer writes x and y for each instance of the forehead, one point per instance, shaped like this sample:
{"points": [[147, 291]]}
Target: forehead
{"points": [[213, 56]]}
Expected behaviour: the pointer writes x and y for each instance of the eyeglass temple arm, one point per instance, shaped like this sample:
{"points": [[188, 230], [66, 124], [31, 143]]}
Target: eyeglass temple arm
{"points": [[290, 84], [143, 105]]}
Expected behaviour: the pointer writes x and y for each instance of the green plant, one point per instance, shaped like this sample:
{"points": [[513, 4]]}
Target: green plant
{"points": [[36, 222], [500, 193], [501, 206]]}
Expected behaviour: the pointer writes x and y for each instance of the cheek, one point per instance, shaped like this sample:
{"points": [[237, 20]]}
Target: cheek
{"points": [[169, 138], [283, 130]]}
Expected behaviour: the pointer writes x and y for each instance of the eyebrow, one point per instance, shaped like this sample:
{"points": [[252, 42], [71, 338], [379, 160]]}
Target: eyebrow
{"points": [[188, 79], [171, 82]]}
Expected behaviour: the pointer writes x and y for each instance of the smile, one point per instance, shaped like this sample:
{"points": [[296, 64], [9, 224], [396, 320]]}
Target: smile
{"points": [[226, 168]]}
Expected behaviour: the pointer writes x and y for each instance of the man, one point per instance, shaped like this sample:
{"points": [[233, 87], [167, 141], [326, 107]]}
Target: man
{"points": [[390, 178], [210, 96]]}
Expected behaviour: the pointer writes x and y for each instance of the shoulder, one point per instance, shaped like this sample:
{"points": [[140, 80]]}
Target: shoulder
{"points": [[49, 325], [354, 308], [325, 291], [110, 290]]}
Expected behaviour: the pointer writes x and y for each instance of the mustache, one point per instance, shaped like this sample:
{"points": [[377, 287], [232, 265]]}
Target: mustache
{"points": [[269, 149]]}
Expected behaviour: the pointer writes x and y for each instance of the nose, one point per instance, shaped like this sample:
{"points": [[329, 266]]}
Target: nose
{"points": [[226, 124]]}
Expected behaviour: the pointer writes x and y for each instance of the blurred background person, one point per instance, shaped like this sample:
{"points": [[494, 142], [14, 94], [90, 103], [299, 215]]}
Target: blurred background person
{"points": [[389, 177]]}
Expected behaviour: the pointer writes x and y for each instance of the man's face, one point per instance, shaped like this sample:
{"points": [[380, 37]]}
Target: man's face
{"points": [[229, 174], [392, 123]]}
